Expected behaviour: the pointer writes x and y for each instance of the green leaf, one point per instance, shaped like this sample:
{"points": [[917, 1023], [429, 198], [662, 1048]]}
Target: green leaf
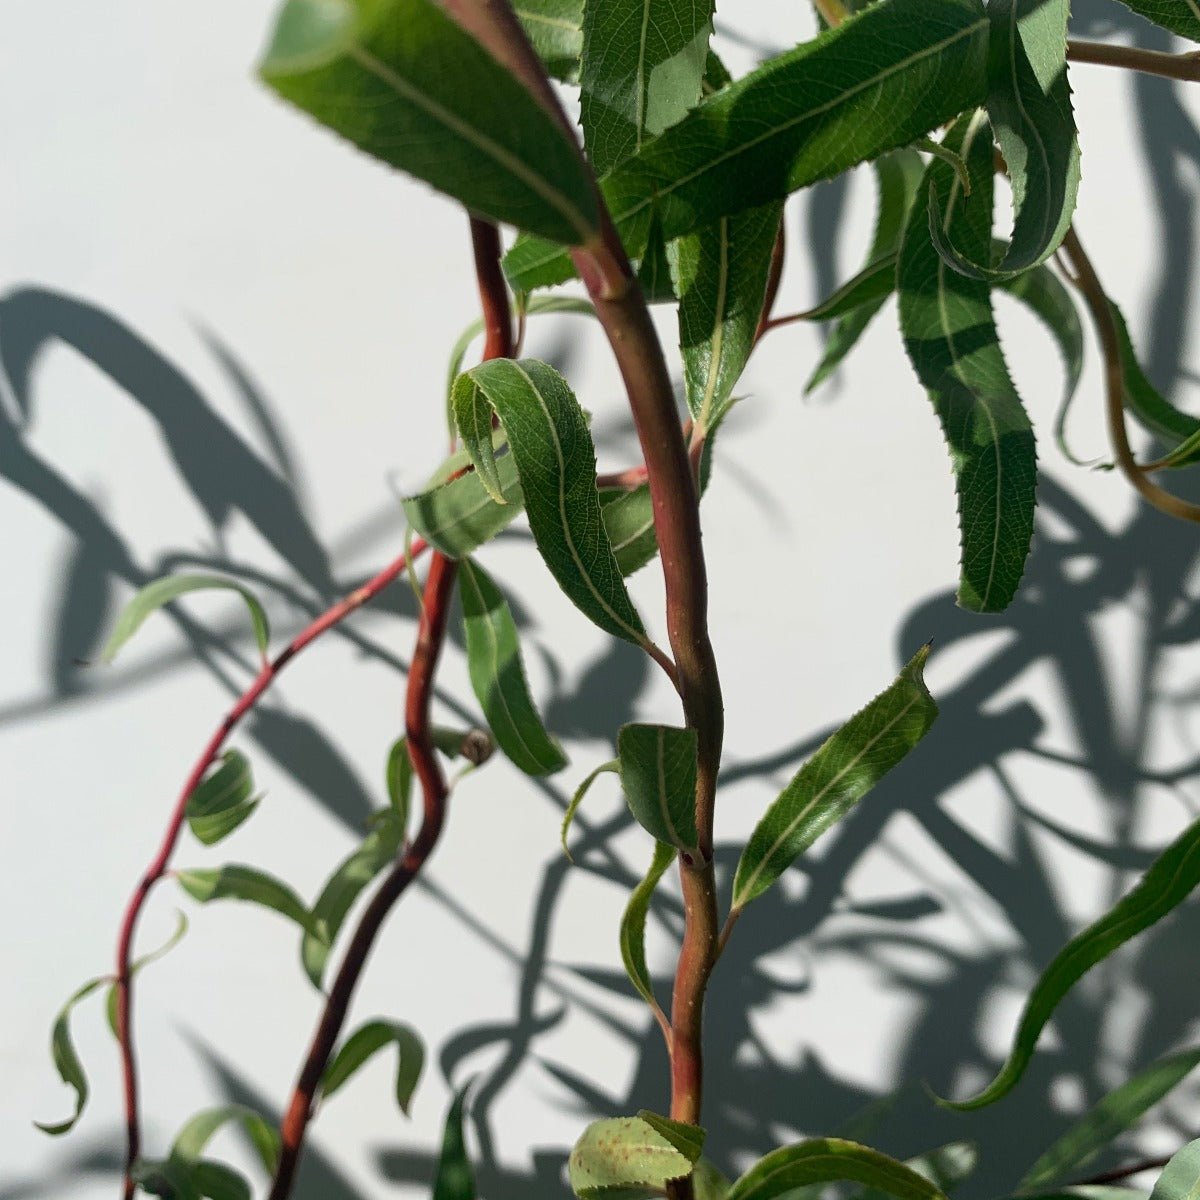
{"points": [[344, 886], [721, 278], [367, 1040], [1168, 882], [879, 81], [825, 1160], [625, 1157], [67, 1061], [458, 517], [454, 1179], [169, 588], [220, 1182], [223, 800], [577, 799], [498, 675], [1048, 299], [628, 516], [194, 1137], [633, 924], [111, 999], [950, 335], [838, 775], [687, 1139], [555, 28], [658, 774], [1180, 1179], [945, 1167], [236, 882], [1179, 16], [1029, 103], [642, 70], [168, 1179], [707, 1181], [399, 776], [897, 177], [556, 461], [403, 82], [1115, 1113]]}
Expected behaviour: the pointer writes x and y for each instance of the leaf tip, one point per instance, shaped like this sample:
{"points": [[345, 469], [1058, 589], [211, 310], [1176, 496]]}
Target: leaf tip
{"points": [[308, 33]]}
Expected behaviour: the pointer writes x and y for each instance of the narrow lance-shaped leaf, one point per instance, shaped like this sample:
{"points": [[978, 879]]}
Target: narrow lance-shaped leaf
{"points": [[721, 279], [1168, 882], [837, 776], [368, 1040], [223, 800], [951, 339], [1179, 16], [236, 882], [555, 29], [642, 69], [112, 998], [402, 81], [343, 887], [827, 1160], [194, 1137], [897, 177], [66, 1058], [658, 773], [626, 1157], [877, 82], [1029, 103], [459, 516], [168, 589], [633, 924], [577, 799], [498, 675], [1115, 1113], [1181, 1176], [454, 1179], [552, 448]]}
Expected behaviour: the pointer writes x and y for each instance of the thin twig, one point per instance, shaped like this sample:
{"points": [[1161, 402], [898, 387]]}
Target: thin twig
{"points": [[1134, 58]]}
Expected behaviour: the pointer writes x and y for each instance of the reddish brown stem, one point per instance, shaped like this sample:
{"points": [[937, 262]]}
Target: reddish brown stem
{"points": [[439, 588], [1133, 58], [774, 277], [158, 866]]}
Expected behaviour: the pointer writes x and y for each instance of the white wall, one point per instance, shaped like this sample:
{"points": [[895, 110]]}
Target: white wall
{"points": [[216, 252]]}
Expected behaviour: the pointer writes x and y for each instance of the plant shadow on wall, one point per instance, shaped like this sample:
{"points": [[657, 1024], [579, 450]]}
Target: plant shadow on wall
{"points": [[1078, 571]]}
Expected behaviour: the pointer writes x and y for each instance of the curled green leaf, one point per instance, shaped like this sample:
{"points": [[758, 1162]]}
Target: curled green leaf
{"points": [[168, 589], [223, 800], [66, 1059], [138, 964], [1168, 882], [368, 1040], [633, 925], [577, 800], [193, 1138], [237, 882]]}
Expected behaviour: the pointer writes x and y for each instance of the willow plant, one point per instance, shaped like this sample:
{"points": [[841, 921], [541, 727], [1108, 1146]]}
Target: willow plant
{"points": [[674, 195]]}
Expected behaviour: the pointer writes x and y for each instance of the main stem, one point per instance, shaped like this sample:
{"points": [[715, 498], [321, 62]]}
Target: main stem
{"points": [[606, 272]]}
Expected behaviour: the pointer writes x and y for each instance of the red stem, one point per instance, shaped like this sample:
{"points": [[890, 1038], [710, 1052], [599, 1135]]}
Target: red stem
{"points": [[158, 866]]}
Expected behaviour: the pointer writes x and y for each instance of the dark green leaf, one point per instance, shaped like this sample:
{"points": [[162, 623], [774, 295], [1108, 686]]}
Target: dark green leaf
{"points": [[555, 27], [219, 1182], [837, 776], [874, 84], [1179, 16], [498, 675], [642, 69], [1168, 882], [455, 1179], [168, 1179], [66, 1060], [168, 589], [577, 799], [897, 177], [629, 522], [625, 1157], [950, 335], [111, 999], [403, 82], [1046, 297], [344, 886], [721, 279], [687, 1139], [633, 924], [946, 1167], [223, 800], [658, 774], [366, 1041], [1029, 103], [1110, 1117], [194, 1137], [399, 775], [556, 461], [826, 1160], [236, 882], [1181, 1176]]}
